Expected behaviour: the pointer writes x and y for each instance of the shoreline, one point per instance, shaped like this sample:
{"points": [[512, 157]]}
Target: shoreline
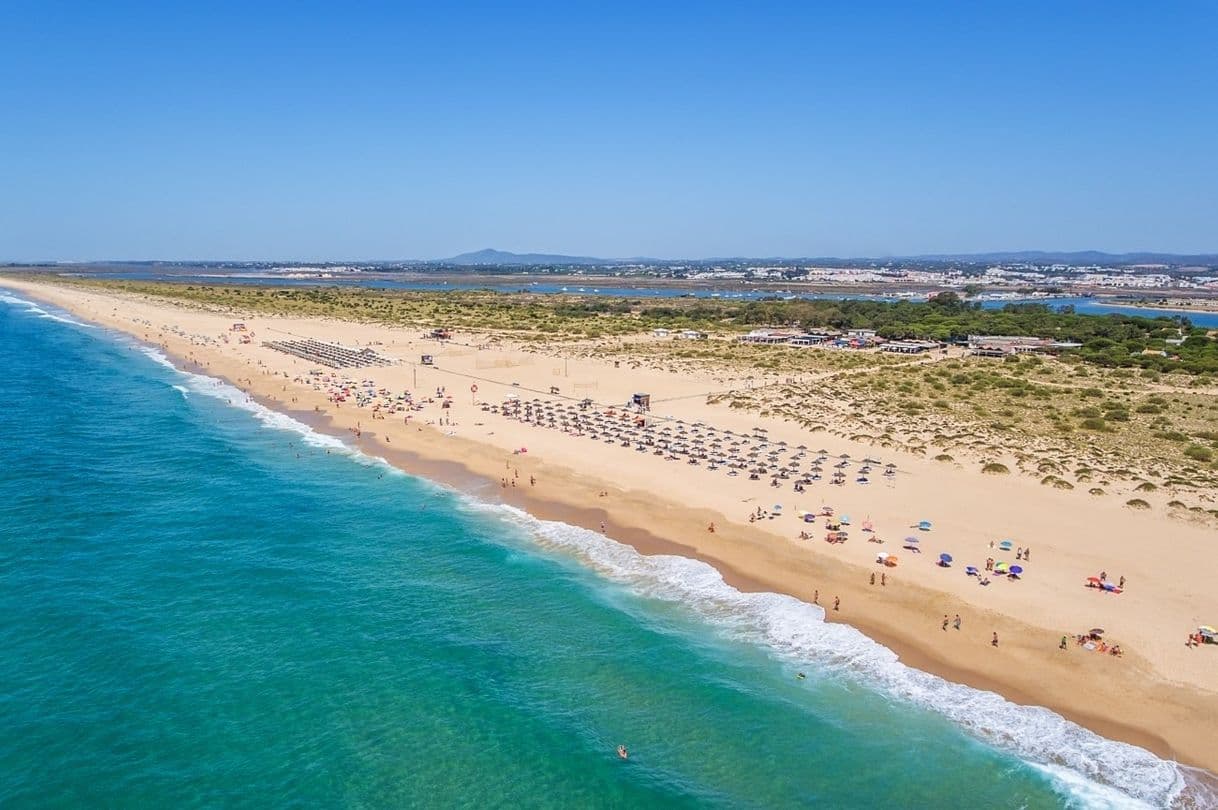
{"points": [[454, 462], [520, 282], [460, 478], [1206, 306]]}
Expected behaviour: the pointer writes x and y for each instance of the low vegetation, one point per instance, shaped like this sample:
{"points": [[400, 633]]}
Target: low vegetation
{"points": [[1112, 341], [1078, 421]]}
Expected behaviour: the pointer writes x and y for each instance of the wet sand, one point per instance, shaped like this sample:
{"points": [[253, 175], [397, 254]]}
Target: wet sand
{"points": [[1138, 698]]}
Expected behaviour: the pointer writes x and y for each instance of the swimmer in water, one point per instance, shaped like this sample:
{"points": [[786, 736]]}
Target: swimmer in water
{"points": [[801, 676], [622, 752]]}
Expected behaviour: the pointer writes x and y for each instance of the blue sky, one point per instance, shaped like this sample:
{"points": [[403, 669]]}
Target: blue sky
{"points": [[390, 130]]}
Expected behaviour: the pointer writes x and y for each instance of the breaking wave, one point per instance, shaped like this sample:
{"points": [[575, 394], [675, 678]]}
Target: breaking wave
{"points": [[1093, 770]]}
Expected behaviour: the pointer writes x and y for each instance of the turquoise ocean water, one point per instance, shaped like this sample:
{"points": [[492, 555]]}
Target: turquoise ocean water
{"points": [[205, 603]]}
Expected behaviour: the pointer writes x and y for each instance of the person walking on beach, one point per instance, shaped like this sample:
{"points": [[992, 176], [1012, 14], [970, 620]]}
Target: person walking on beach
{"points": [[1062, 646], [816, 597], [883, 578], [956, 622], [944, 622], [873, 577], [1122, 584], [837, 601], [994, 640]]}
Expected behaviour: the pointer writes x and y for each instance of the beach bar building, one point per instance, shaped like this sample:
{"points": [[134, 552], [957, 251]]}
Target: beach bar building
{"points": [[769, 337], [813, 338], [1003, 345], [909, 346]]}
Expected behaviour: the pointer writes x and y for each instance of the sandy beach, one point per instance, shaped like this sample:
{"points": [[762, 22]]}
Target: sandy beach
{"points": [[1160, 694]]}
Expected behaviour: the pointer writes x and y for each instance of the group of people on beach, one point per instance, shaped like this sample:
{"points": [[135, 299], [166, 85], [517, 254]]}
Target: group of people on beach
{"points": [[639, 432]]}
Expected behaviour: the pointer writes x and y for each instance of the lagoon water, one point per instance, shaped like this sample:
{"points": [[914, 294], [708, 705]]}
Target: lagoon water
{"points": [[576, 285], [206, 603]]}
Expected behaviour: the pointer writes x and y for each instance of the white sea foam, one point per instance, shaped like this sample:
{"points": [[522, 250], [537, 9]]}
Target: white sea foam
{"points": [[221, 390], [35, 309], [1093, 770], [157, 356]]}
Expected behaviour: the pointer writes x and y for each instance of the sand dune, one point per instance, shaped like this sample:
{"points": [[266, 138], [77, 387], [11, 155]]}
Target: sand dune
{"points": [[1159, 694]]}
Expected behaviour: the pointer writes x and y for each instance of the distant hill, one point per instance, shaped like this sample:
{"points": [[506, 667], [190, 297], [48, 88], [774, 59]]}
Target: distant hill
{"points": [[503, 257]]}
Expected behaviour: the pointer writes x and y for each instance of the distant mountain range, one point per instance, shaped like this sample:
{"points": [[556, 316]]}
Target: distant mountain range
{"points": [[490, 256], [502, 257]]}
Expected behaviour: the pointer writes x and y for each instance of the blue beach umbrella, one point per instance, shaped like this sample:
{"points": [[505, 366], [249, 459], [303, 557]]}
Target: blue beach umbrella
{"points": [[1016, 569], [924, 525], [945, 558]]}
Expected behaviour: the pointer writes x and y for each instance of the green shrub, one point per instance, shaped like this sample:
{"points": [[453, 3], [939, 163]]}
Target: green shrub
{"points": [[1198, 453]]}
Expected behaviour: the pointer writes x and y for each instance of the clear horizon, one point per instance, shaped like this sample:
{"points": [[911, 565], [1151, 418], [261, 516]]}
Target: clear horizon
{"points": [[861, 130], [439, 259]]}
